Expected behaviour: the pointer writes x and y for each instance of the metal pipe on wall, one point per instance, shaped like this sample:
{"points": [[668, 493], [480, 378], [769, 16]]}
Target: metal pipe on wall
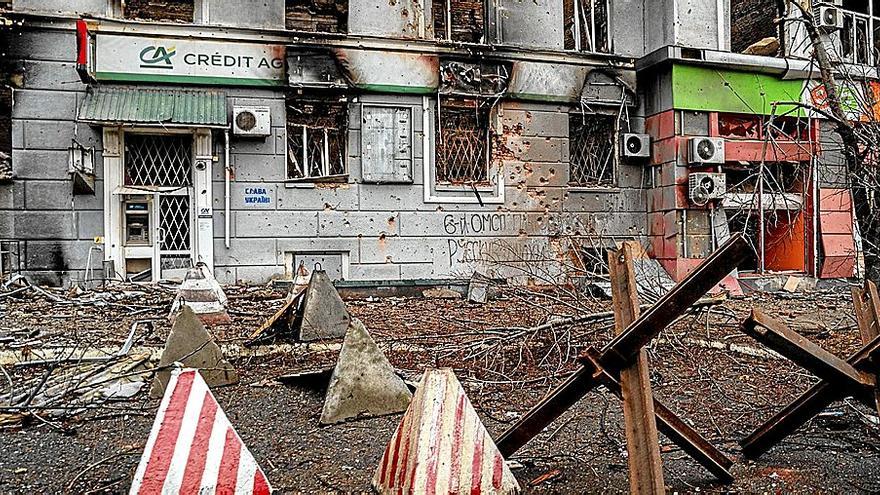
{"points": [[227, 186]]}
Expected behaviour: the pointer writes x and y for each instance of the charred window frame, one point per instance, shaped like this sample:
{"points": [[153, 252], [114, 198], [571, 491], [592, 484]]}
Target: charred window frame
{"points": [[316, 138], [586, 25], [5, 133], [459, 20], [592, 142], [463, 141], [316, 16], [182, 11]]}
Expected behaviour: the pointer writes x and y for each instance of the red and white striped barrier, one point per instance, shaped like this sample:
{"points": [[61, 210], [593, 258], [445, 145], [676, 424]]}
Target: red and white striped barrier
{"points": [[441, 446], [193, 449]]}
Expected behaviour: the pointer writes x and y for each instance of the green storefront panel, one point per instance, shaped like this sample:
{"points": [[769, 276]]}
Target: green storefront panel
{"points": [[718, 90]]}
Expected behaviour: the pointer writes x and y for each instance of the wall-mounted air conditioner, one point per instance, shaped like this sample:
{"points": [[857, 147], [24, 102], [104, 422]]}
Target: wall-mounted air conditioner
{"points": [[705, 186], [635, 145], [705, 150], [827, 17], [251, 121]]}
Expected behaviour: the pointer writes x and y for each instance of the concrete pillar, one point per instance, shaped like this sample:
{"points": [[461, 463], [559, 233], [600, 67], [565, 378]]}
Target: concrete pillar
{"points": [[687, 23]]}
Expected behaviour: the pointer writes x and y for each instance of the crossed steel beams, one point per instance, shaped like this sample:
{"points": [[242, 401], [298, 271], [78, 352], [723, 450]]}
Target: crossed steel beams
{"points": [[602, 367], [854, 377]]}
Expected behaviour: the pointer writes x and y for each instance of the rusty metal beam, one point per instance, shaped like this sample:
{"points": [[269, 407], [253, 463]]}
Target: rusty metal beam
{"points": [[622, 350], [809, 404], [866, 305], [802, 351], [642, 443]]}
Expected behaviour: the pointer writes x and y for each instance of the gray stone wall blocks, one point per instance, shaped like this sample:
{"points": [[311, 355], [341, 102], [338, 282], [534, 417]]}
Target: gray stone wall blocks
{"points": [[386, 231]]}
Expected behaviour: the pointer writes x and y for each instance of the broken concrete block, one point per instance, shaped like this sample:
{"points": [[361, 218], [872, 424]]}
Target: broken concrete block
{"points": [[478, 289], [193, 447], [300, 282], [190, 344], [324, 315], [441, 446], [791, 284], [201, 292], [363, 383]]}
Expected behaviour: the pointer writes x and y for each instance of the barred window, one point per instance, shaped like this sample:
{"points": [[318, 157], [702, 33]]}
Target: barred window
{"points": [[459, 20], [316, 139], [158, 160], [463, 141], [586, 25], [591, 150]]}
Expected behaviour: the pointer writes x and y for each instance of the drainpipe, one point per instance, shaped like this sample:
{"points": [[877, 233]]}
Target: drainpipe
{"points": [[227, 186]]}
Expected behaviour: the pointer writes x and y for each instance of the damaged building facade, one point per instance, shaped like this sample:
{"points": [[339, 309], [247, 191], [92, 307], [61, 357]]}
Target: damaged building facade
{"points": [[410, 140]]}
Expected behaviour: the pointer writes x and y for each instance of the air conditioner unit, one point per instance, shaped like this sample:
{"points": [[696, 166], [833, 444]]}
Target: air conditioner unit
{"points": [[251, 121], [706, 150], [704, 186], [635, 145], [827, 17]]}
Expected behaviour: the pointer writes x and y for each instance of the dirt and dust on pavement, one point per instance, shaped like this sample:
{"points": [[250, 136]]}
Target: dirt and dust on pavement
{"points": [[507, 353]]}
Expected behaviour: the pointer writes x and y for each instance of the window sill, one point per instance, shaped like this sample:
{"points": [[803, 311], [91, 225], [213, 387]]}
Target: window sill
{"points": [[463, 188], [309, 182], [594, 189]]}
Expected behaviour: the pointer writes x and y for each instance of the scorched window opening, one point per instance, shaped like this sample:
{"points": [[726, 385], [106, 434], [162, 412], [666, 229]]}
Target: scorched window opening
{"points": [[316, 131], [591, 149], [463, 141]]}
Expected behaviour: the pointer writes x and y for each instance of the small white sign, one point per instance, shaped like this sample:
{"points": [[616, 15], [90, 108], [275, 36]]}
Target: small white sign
{"points": [[187, 61]]}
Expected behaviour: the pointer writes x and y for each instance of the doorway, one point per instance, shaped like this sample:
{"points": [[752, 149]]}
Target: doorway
{"points": [[156, 201]]}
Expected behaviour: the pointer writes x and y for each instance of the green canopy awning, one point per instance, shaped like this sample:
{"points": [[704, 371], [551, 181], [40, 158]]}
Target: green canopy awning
{"points": [[154, 107]]}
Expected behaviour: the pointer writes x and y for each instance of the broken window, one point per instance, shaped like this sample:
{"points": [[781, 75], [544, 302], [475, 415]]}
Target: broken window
{"points": [[459, 20], [754, 127], [586, 25], [855, 42], [316, 16], [591, 149], [160, 10], [752, 29], [316, 130], [463, 141], [766, 202], [5, 133]]}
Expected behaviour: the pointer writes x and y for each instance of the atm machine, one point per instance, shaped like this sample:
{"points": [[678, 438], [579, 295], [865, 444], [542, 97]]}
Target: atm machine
{"points": [[138, 242]]}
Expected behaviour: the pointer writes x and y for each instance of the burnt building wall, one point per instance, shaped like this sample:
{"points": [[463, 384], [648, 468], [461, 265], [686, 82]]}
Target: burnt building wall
{"points": [[55, 228]]}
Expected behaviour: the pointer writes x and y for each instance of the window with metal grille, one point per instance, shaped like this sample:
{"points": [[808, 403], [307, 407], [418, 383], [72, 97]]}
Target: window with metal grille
{"points": [[316, 138], [586, 25], [463, 141], [591, 150], [175, 222], [158, 160], [459, 20]]}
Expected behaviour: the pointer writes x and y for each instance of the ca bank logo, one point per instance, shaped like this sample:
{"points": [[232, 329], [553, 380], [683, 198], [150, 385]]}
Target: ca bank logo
{"points": [[157, 57]]}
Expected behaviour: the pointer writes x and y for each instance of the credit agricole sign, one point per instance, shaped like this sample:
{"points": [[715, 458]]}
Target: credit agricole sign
{"points": [[187, 61]]}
